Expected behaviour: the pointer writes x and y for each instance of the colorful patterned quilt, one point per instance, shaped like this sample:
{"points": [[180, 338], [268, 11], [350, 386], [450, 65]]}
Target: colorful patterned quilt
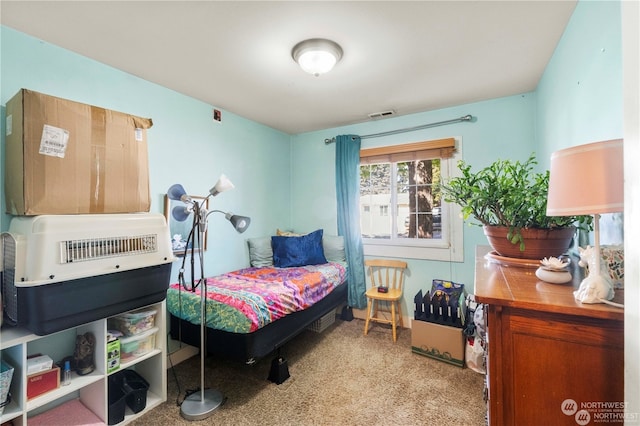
{"points": [[245, 300]]}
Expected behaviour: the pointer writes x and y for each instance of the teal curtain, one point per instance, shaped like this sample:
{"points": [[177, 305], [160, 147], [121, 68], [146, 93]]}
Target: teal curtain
{"points": [[348, 197]]}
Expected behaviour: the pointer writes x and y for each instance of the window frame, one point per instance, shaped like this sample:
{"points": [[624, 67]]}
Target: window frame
{"points": [[450, 247]]}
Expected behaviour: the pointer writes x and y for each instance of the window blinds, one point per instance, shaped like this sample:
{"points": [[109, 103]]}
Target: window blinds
{"points": [[426, 150]]}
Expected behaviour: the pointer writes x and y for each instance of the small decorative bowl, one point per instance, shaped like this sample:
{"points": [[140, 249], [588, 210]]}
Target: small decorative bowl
{"points": [[554, 270]]}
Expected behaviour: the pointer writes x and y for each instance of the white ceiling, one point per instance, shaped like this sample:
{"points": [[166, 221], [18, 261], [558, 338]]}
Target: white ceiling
{"points": [[236, 55]]}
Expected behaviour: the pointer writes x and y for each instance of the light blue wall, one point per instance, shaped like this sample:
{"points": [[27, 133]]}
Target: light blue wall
{"points": [[185, 145], [502, 128], [580, 96], [580, 93], [285, 181], [579, 100]]}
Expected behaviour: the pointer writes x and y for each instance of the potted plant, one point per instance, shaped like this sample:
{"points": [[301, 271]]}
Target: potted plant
{"points": [[509, 199]]}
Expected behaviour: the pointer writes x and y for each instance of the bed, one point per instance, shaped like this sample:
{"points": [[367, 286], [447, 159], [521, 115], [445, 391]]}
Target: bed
{"points": [[254, 311]]}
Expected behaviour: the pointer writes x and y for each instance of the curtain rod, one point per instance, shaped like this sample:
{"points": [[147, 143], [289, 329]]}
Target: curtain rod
{"points": [[467, 117]]}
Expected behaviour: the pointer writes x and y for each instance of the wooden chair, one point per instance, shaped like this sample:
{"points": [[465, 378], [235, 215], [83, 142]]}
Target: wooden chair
{"points": [[388, 274]]}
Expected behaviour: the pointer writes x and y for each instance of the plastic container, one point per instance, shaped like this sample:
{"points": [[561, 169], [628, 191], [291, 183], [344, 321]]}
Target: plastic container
{"points": [[117, 405], [66, 374], [133, 323], [138, 345], [134, 387], [323, 323]]}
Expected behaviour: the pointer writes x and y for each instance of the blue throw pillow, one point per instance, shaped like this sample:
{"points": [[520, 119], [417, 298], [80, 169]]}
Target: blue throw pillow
{"points": [[298, 251]]}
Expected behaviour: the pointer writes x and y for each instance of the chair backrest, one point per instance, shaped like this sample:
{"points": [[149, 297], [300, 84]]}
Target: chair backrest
{"points": [[386, 272]]}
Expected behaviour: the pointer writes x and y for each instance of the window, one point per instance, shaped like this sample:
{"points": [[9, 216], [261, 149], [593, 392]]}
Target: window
{"points": [[408, 217]]}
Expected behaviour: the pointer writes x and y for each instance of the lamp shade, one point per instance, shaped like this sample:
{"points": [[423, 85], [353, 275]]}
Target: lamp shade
{"points": [[223, 184], [587, 179], [180, 213], [176, 192], [240, 223]]}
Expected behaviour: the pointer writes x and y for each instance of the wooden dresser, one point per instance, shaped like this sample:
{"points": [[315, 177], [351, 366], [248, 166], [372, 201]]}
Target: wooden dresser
{"points": [[551, 360]]}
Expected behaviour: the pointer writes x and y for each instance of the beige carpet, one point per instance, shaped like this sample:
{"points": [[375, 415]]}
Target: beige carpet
{"points": [[338, 377]]}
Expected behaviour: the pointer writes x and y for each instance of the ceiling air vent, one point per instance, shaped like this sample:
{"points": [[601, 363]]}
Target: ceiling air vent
{"points": [[382, 114]]}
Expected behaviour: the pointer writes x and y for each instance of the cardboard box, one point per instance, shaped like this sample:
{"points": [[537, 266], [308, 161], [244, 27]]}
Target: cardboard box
{"points": [[43, 382], [436, 341], [65, 157]]}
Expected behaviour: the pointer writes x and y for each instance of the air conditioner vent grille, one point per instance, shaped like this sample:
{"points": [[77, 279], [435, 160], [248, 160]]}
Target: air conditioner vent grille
{"points": [[99, 248], [381, 114]]}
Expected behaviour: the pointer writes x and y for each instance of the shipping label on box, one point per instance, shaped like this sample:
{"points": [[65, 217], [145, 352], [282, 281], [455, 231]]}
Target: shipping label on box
{"points": [[436, 341], [65, 157], [43, 382]]}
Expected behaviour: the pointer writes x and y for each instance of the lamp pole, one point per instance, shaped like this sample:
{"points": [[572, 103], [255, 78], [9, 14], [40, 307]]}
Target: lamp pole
{"points": [[199, 406]]}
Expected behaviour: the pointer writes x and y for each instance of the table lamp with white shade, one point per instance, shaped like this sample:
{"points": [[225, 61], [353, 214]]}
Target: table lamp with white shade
{"points": [[589, 180]]}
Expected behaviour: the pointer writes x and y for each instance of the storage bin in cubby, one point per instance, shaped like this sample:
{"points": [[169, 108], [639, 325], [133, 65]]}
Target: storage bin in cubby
{"points": [[138, 345], [117, 405], [6, 373], [133, 323]]}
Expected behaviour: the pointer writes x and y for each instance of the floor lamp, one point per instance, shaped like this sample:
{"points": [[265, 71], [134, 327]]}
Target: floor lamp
{"points": [[200, 405], [589, 180]]}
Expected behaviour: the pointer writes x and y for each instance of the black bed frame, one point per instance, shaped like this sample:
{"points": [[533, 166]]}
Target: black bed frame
{"points": [[249, 347]]}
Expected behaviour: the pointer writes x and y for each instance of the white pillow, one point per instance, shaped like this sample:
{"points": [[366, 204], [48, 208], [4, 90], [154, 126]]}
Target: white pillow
{"points": [[260, 252], [334, 248]]}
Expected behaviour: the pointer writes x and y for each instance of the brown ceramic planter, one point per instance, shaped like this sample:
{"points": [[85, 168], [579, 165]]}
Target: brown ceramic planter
{"points": [[539, 243]]}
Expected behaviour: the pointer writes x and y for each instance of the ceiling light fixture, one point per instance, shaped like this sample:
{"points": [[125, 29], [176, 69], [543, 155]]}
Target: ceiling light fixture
{"points": [[317, 55]]}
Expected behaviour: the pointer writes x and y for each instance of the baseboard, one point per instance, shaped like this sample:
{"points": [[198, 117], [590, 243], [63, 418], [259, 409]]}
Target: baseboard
{"points": [[181, 354], [359, 313]]}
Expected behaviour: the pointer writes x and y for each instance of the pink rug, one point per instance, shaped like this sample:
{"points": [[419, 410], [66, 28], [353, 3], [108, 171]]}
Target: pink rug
{"points": [[72, 413]]}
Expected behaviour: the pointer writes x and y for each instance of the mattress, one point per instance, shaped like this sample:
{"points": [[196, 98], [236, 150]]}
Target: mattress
{"points": [[248, 299]]}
